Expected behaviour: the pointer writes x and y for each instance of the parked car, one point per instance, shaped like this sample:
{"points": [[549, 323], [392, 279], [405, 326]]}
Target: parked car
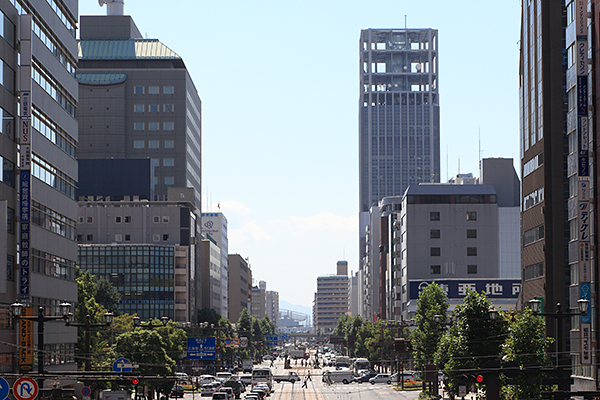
{"points": [[406, 376], [381, 378], [366, 377], [177, 391]]}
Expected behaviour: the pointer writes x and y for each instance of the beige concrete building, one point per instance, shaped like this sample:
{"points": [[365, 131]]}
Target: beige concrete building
{"points": [[272, 306], [240, 286], [332, 299]]}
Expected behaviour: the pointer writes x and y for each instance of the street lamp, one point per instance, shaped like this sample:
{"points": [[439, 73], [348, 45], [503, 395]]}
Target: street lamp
{"points": [[137, 322], [582, 305], [16, 309], [108, 318]]}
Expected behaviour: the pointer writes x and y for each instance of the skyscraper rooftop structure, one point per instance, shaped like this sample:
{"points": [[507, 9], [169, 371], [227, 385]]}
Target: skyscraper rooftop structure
{"points": [[399, 125]]}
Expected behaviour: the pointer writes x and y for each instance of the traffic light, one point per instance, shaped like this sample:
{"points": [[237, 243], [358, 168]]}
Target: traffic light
{"points": [[479, 378], [135, 381]]}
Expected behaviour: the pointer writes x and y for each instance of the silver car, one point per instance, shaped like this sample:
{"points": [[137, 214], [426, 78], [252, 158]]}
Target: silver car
{"points": [[381, 378]]}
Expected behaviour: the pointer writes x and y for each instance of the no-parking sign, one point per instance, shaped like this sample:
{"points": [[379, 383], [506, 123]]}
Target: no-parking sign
{"points": [[25, 389], [86, 391]]}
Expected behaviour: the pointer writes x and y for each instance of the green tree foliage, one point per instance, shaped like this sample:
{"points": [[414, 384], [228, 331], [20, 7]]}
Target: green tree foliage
{"points": [[208, 315], [432, 301], [525, 344], [471, 340], [107, 295]]}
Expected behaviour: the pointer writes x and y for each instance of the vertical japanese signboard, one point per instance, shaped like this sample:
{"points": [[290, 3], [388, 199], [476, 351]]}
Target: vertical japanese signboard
{"points": [[25, 158], [26, 341], [583, 194]]}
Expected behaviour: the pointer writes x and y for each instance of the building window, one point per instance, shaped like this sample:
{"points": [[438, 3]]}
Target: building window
{"points": [[138, 144], [533, 271], [138, 108], [165, 219], [155, 182], [118, 220], [154, 162], [471, 233], [471, 269], [80, 220], [153, 90], [127, 238], [168, 162], [156, 219], [169, 108], [166, 237], [90, 220], [168, 90], [471, 215], [153, 108], [471, 251], [138, 126], [138, 90], [169, 144], [10, 261], [156, 237], [169, 180], [153, 144], [128, 219], [435, 251], [90, 238], [118, 237], [435, 269], [153, 126], [169, 126], [434, 234], [434, 216]]}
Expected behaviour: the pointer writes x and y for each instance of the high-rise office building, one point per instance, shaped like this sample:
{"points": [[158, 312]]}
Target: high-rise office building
{"points": [[399, 124], [272, 306], [215, 225], [331, 299], [38, 212], [399, 118], [239, 286], [138, 100], [556, 134]]}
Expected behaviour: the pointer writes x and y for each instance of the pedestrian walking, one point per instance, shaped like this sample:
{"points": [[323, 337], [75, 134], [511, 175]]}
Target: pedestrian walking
{"points": [[305, 383], [308, 378]]}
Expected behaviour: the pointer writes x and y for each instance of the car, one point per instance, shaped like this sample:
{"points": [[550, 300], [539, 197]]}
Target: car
{"points": [[366, 377], [381, 378], [209, 388], [406, 376], [177, 391], [264, 387], [252, 396], [261, 393], [227, 390], [220, 396]]}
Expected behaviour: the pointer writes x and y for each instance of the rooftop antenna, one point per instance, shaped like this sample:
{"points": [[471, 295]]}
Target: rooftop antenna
{"points": [[113, 7]]}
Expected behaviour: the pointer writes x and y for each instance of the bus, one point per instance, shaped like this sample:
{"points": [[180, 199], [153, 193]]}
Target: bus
{"points": [[361, 364], [262, 375]]}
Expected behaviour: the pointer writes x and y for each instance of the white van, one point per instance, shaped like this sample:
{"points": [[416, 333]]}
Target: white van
{"points": [[224, 376], [345, 376]]}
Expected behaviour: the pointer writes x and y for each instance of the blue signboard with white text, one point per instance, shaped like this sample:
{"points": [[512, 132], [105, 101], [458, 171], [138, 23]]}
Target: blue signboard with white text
{"points": [[202, 348]]}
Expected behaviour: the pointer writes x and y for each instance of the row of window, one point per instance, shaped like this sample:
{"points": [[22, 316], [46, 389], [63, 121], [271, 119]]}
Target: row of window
{"points": [[51, 131], [53, 177], [153, 126], [153, 108], [53, 221], [437, 234], [153, 144], [127, 219], [153, 90], [437, 251], [53, 88], [437, 269], [435, 216], [119, 237]]}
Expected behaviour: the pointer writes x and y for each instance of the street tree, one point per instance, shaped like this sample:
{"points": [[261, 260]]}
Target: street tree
{"points": [[472, 339], [426, 336], [525, 344]]}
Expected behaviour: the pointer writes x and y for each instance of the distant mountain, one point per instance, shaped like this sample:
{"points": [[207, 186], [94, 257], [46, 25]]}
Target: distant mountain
{"points": [[293, 307]]}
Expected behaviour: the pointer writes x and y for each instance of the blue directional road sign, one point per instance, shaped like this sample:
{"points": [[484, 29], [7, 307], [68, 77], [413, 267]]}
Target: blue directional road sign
{"points": [[202, 348], [123, 365], [271, 340], [4, 389]]}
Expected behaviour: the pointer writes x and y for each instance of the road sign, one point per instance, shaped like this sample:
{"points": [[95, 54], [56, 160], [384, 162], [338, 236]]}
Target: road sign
{"points": [[25, 389], [244, 342], [123, 365], [236, 342], [4, 389], [227, 341], [271, 340], [202, 348], [86, 391]]}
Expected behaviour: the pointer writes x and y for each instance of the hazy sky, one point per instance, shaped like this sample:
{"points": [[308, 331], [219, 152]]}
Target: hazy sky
{"points": [[279, 83]]}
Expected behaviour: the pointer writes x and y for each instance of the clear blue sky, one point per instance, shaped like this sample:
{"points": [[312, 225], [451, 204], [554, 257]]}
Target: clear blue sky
{"points": [[279, 87]]}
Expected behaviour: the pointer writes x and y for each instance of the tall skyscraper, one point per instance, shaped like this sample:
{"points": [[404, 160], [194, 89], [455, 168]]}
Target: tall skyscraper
{"points": [[399, 120], [399, 123], [331, 299], [39, 253]]}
